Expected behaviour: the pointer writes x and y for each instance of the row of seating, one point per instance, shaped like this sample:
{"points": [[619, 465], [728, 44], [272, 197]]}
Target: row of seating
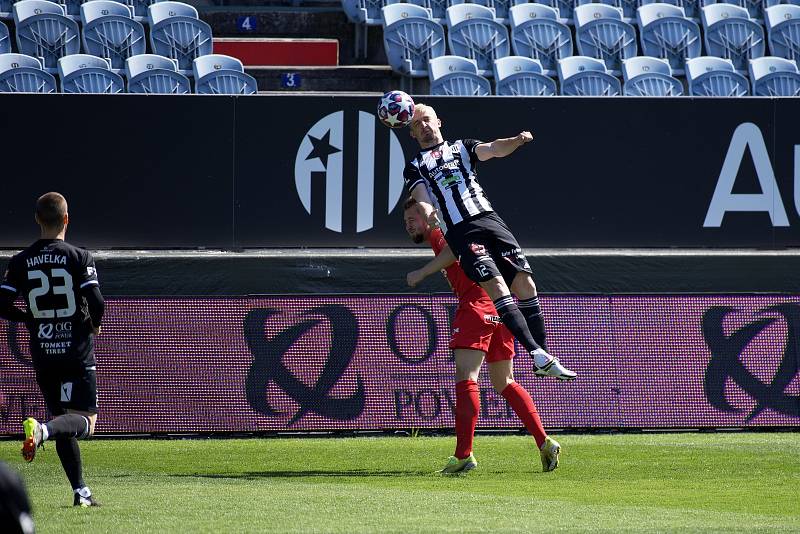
{"points": [[44, 31], [368, 12], [412, 37], [145, 73], [585, 76], [72, 8]]}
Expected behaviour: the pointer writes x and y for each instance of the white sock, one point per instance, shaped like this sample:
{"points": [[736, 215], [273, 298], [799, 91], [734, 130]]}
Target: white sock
{"points": [[84, 492], [540, 357], [45, 433]]}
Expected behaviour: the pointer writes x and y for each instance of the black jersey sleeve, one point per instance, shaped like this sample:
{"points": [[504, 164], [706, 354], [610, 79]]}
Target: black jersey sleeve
{"points": [[412, 176], [87, 275], [470, 145]]}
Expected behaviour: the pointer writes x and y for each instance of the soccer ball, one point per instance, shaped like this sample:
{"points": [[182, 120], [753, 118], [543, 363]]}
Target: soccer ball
{"points": [[396, 109]]}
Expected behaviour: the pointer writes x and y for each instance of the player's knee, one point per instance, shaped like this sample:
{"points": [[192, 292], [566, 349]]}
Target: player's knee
{"points": [[501, 382], [495, 288], [524, 286]]}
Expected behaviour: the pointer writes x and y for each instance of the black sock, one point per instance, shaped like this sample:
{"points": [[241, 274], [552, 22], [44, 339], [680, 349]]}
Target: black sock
{"points": [[70, 454], [70, 425], [514, 320], [532, 312]]}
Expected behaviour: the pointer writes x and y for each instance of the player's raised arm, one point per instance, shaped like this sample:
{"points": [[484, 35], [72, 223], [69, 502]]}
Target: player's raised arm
{"points": [[500, 148], [443, 260]]}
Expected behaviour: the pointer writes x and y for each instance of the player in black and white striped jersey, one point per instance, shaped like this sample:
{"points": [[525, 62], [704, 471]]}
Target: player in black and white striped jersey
{"points": [[442, 178]]}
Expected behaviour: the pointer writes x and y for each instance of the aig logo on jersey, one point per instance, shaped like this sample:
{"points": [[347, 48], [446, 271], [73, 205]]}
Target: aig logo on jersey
{"points": [[338, 155]]}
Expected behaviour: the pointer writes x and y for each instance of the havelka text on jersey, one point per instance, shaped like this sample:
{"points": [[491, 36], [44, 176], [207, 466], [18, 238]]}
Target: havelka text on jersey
{"points": [[46, 259]]}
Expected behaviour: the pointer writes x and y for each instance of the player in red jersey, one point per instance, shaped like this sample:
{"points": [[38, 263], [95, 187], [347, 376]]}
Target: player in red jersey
{"points": [[478, 333]]}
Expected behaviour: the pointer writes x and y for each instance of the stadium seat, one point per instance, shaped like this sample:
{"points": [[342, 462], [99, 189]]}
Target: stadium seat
{"points": [[411, 40], [217, 74], [43, 31], [140, 8], [783, 30], [649, 76], [84, 73], [731, 34], [177, 32], [20, 73], [665, 32], [586, 76], [600, 33], [109, 31], [628, 7], [536, 33], [5, 40], [473, 33], [774, 76], [154, 74], [5, 9], [521, 76], [364, 13], [714, 76], [500, 8], [457, 76]]}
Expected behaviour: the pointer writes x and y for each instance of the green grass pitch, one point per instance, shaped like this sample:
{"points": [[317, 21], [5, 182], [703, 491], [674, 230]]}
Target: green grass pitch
{"points": [[743, 482]]}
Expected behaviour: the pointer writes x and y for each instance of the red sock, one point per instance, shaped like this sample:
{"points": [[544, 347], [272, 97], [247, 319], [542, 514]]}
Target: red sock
{"points": [[468, 404], [523, 406]]}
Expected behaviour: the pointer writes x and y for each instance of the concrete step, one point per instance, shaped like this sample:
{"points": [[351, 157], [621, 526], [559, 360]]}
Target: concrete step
{"points": [[351, 78]]}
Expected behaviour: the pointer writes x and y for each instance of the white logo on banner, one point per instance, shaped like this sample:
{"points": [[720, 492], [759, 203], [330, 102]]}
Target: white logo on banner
{"points": [[321, 151], [66, 391], [748, 136]]}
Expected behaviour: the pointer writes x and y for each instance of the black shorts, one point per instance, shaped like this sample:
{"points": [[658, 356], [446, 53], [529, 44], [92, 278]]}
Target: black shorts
{"points": [[486, 249], [73, 389]]}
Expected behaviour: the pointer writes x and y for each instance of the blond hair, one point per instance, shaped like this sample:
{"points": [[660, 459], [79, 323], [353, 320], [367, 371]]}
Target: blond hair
{"points": [[420, 108]]}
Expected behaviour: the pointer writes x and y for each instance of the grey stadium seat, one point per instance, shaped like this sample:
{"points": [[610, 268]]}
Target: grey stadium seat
{"points": [[84, 73], [601, 33], [411, 39], [457, 76], [522, 76], [177, 32], [20, 73], [44, 31], [154, 74], [586, 76], [109, 31], [537, 33], [730, 33], [783, 29], [649, 76], [217, 74], [714, 76], [665, 32], [472, 32], [774, 76]]}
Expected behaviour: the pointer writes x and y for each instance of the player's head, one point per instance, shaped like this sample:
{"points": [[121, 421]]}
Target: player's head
{"points": [[416, 224], [51, 212], [426, 126]]}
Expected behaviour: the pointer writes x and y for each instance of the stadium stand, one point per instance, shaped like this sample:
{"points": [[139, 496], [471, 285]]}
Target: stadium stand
{"points": [[713, 76], [730, 33], [154, 74], [774, 76], [20, 73], [601, 33], [411, 39], [522, 76], [44, 31], [217, 74], [473, 32], [666, 32], [586, 76], [109, 31], [537, 33], [649, 76], [177, 32], [84, 73], [457, 76], [783, 29]]}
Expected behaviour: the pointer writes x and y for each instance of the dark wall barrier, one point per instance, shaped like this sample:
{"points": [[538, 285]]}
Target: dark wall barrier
{"points": [[287, 171], [315, 363]]}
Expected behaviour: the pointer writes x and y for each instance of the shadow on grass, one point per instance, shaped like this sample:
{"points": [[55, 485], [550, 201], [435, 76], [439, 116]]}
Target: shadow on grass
{"points": [[255, 475]]}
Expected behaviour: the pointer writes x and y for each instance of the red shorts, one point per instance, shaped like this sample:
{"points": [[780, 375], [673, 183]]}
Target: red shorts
{"points": [[477, 326]]}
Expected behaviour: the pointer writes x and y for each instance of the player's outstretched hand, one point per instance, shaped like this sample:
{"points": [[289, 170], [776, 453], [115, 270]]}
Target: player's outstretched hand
{"points": [[414, 278], [525, 137]]}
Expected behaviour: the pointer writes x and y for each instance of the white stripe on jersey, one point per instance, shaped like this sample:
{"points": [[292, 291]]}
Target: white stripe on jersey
{"points": [[13, 289], [89, 282], [451, 182]]}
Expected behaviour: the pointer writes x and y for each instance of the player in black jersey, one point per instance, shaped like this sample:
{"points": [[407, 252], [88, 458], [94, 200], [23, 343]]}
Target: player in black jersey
{"points": [[59, 285], [442, 178]]}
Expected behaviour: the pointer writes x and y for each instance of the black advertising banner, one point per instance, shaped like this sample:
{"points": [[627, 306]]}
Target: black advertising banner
{"points": [[315, 171]]}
